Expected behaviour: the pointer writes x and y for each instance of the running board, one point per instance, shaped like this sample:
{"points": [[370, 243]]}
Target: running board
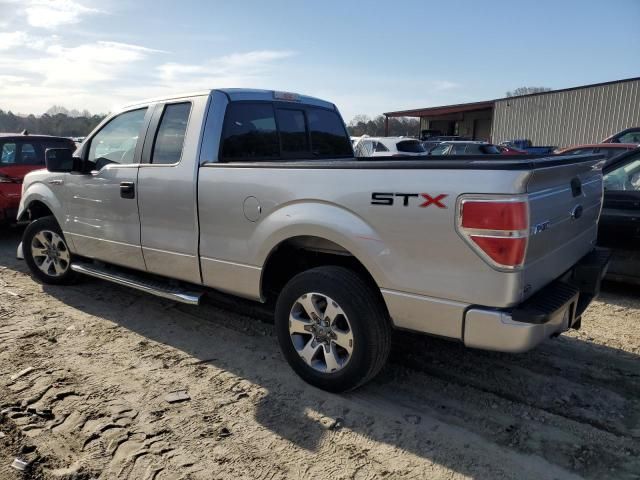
{"points": [[154, 287]]}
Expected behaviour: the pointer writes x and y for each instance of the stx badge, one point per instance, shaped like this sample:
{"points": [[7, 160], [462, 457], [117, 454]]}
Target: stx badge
{"points": [[389, 199]]}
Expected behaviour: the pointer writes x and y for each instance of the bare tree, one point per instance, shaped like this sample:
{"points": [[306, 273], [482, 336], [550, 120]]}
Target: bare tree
{"points": [[526, 91], [362, 124]]}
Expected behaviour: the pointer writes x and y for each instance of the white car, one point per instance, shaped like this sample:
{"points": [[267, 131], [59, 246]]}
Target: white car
{"points": [[465, 147], [388, 147]]}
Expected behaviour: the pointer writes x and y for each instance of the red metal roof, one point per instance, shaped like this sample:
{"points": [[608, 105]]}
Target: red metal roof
{"points": [[443, 110]]}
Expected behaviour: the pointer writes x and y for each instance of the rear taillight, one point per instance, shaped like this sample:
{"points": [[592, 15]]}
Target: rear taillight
{"points": [[497, 228]]}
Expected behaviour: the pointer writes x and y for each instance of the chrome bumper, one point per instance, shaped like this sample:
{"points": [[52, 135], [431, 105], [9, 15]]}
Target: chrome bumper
{"points": [[554, 309], [496, 330]]}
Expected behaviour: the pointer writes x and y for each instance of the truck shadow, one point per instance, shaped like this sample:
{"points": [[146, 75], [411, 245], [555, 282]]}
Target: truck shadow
{"points": [[471, 411]]}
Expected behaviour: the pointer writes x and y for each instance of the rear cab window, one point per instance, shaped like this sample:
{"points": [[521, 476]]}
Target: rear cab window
{"points": [[267, 131], [293, 131]]}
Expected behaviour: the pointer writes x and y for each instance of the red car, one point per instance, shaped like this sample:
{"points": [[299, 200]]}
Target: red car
{"points": [[609, 150], [506, 150], [19, 155]]}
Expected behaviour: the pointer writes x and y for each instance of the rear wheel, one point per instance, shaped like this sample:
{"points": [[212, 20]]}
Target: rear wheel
{"points": [[333, 328], [46, 252]]}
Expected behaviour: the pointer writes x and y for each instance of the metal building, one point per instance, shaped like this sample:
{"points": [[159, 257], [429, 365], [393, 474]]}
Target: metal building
{"points": [[586, 114]]}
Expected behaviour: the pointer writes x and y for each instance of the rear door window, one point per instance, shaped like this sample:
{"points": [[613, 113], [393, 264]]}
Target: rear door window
{"points": [[439, 149], [167, 148], [250, 132], [459, 149], [328, 134], [29, 155], [8, 154], [410, 146], [380, 147], [293, 132]]}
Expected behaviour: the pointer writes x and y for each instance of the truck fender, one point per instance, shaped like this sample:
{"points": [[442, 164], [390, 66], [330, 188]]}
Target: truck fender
{"points": [[324, 220], [39, 192]]}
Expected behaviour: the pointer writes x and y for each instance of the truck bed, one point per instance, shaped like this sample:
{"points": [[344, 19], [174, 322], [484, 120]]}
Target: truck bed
{"points": [[446, 162]]}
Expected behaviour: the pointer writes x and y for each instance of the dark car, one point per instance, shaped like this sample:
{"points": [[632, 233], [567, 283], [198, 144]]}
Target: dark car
{"points": [[465, 148], [19, 155], [630, 135], [609, 150], [619, 227]]}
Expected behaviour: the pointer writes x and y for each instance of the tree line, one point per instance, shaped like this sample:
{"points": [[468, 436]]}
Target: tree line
{"points": [[59, 122], [374, 127]]}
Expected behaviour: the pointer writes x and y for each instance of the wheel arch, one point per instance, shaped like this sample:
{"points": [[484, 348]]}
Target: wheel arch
{"points": [[39, 201], [299, 253], [316, 233]]}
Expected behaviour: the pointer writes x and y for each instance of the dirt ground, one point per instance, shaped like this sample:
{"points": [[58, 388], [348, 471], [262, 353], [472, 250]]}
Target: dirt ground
{"points": [[85, 371]]}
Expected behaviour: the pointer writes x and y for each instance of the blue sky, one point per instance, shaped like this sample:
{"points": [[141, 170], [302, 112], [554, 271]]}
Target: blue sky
{"points": [[367, 57]]}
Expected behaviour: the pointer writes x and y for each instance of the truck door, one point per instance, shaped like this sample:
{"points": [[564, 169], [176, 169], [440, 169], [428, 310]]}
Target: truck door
{"points": [[168, 189], [620, 220], [102, 219]]}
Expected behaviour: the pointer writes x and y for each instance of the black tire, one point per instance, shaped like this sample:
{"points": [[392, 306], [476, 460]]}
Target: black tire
{"points": [[367, 316], [46, 224]]}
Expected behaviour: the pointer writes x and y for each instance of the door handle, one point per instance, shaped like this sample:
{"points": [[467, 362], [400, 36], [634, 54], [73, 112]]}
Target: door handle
{"points": [[56, 182], [127, 190]]}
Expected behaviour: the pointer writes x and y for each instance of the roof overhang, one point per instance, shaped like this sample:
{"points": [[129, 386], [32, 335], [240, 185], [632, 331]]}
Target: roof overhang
{"points": [[443, 110]]}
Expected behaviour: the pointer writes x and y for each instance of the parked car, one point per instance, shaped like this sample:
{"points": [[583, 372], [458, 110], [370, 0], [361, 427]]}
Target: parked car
{"points": [[526, 146], [504, 150], [619, 227], [630, 135], [257, 193], [19, 155], [465, 148], [609, 150], [388, 147]]}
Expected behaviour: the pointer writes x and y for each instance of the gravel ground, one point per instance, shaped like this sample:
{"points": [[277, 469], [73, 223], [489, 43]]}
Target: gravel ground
{"points": [[85, 371]]}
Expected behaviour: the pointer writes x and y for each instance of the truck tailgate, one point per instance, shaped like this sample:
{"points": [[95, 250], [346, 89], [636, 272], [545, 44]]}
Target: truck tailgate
{"points": [[564, 207]]}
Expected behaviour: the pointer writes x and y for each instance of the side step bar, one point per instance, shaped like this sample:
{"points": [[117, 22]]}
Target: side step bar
{"points": [[154, 287]]}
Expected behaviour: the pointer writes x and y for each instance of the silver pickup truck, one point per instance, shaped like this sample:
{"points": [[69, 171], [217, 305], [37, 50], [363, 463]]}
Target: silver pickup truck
{"points": [[257, 194]]}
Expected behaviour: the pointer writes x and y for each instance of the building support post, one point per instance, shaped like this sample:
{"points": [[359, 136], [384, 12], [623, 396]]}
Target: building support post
{"points": [[386, 126]]}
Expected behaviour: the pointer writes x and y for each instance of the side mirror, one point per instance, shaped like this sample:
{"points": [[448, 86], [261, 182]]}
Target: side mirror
{"points": [[61, 160]]}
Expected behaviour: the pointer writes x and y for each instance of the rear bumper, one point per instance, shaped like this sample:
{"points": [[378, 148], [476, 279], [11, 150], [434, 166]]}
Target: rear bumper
{"points": [[552, 310]]}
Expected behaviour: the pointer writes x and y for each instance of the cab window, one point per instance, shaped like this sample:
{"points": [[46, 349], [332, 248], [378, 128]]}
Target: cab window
{"points": [[116, 141]]}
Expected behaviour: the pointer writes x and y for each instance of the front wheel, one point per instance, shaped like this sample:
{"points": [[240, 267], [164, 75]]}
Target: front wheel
{"points": [[46, 252], [333, 328]]}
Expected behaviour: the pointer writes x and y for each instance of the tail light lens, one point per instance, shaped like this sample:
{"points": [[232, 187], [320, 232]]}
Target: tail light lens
{"points": [[497, 228]]}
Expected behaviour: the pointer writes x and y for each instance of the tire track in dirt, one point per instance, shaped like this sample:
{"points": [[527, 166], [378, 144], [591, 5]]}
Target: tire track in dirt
{"points": [[438, 411]]}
